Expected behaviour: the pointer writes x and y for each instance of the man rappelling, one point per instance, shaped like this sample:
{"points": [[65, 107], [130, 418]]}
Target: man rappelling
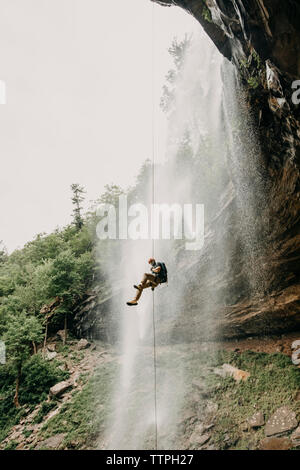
{"points": [[158, 275]]}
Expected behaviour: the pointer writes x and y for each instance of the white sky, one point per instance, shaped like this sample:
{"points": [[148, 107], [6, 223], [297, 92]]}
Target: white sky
{"points": [[78, 79]]}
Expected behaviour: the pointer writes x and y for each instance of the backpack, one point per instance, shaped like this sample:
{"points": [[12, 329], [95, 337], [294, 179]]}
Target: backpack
{"points": [[163, 273]]}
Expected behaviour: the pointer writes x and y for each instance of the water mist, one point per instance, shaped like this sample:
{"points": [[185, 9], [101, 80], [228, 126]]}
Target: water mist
{"points": [[202, 120]]}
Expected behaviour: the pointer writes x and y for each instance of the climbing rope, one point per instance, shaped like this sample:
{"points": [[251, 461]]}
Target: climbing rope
{"points": [[154, 367], [153, 199]]}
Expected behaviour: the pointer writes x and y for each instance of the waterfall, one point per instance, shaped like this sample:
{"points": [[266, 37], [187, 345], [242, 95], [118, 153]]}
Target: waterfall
{"points": [[250, 182], [202, 162]]}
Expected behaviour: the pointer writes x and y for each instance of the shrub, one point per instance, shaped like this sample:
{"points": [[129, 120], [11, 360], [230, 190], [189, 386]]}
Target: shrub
{"points": [[44, 410], [37, 377]]}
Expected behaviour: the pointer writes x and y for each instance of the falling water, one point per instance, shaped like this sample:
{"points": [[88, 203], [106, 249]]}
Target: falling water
{"points": [[250, 183], [207, 113]]}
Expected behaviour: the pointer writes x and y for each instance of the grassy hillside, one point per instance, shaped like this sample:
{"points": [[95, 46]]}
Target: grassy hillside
{"points": [[214, 414]]}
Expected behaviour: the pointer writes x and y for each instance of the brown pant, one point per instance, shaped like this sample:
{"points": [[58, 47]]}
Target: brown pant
{"points": [[149, 280]]}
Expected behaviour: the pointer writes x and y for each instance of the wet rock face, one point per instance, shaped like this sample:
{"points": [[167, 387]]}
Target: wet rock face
{"points": [[98, 318], [261, 38], [270, 26]]}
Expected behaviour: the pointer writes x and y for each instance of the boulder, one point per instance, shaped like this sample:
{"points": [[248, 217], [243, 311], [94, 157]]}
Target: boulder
{"points": [[51, 414], [198, 384], [257, 420], [61, 334], [295, 437], [52, 442], [283, 420], [211, 408], [203, 439], [59, 388], [198, 438], [229, 440], [245, 426], [82, 344], [188, 414], [275, 443], [296, 352], [50, 355], [227, 370], [15, 435]]}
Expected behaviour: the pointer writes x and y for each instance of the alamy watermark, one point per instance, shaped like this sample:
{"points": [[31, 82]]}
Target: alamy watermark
{"points": [[157, 221], [296, 94]]}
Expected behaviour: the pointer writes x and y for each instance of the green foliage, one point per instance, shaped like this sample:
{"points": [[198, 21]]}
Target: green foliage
{"points": [[63, 275], [83, 241], [252, 70], [27, 432], [141, 192], [85, 416], [45, 408], [273, 382], [77, 199], [69, 276], [22, 330], [11, 445], [206, 14], [253, 82], [61, 264], [9, 414], [111, 195], [37, 377], [177, 51], [3, 253]]}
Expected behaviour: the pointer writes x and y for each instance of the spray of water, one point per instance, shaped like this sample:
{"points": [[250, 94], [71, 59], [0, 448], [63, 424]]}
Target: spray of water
{"points": [[203, 119]]}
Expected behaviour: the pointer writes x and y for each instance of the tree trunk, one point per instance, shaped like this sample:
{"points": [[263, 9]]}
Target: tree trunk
{"points": [[16, 397], [45, 339], [34, 347], [65, 330]]}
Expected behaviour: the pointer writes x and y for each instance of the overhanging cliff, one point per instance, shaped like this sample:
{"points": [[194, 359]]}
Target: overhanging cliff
{"points": [[271, 27], [262, 39]]}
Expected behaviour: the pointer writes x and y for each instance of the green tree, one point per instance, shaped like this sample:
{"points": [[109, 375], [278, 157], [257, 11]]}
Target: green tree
{"points": [[178, 51], [142, 191], [69, 277], [111, 195], [77, 199], [3, 253], [21, 333]]}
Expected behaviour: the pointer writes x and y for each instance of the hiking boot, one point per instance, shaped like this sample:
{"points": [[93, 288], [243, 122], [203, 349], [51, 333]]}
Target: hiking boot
{"points": [[132, 302]]}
